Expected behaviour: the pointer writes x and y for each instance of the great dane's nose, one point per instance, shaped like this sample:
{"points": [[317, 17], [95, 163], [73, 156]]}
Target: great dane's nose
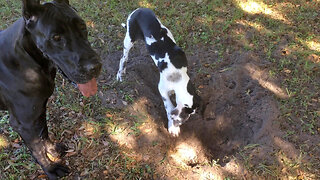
{"points": [[93, 67]]}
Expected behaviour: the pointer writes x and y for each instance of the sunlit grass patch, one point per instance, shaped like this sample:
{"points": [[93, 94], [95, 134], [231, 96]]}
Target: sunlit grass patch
{"points": [[313, 45], [146, 4], [259, 7], [3, 142]]}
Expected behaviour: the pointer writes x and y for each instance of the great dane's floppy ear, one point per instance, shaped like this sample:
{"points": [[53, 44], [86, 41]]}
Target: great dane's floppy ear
{"points": [[60, 1], [30, 8]]}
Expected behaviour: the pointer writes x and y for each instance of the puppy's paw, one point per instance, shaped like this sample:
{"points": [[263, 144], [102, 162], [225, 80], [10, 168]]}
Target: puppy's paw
{"points": [[174, 131], [119, 76], [56, 171]]}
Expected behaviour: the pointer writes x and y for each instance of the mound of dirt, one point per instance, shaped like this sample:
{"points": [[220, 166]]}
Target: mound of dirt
{"points": [[239, 109], [238, 97]]}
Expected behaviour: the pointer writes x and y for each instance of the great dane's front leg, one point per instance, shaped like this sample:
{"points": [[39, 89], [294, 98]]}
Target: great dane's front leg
{"points": [[2, 105], [127, 45], [28, 118], [164, 91]]}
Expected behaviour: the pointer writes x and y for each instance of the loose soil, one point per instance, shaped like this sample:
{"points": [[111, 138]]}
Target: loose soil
{"points": [[239, 121]]}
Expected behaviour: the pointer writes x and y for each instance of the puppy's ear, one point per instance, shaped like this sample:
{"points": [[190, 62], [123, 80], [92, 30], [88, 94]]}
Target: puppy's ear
{"points": [[61, 1], [30, 9]]}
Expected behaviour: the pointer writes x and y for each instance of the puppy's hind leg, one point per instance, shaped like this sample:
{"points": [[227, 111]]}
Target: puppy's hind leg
{"points": [[127, 45]]}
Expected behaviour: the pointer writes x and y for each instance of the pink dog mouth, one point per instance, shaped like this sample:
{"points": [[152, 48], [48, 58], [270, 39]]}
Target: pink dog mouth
{"points": [[88, 89]]}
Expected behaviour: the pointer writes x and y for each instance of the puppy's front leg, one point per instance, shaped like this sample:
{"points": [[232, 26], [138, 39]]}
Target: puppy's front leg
{"points": [[127, 45], [173, 130]]}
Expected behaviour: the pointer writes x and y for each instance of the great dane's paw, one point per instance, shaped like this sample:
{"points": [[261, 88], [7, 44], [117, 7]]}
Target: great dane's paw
{"points": [[55, 151], [56, 171], [174, 131], [61, 149]]}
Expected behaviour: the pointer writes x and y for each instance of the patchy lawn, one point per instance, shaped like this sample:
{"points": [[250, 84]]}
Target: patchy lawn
{"points": [[255, 64]]}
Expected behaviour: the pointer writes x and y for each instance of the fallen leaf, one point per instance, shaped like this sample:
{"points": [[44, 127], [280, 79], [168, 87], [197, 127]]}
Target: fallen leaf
{"points": [[52, 158], [288, 71], [42, 176], [314, 58], [70, 154], [109, 115], [300, 177]]}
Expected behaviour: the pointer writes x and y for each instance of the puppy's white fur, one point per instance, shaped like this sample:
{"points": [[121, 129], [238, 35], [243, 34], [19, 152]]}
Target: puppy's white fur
{"points": [[172, 79]]}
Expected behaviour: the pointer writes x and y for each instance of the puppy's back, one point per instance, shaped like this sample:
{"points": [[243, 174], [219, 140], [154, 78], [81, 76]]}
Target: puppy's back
{"points": [[144, 21]]}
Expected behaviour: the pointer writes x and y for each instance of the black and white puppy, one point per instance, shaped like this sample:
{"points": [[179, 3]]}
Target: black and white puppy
{"points": [[171, 62]]}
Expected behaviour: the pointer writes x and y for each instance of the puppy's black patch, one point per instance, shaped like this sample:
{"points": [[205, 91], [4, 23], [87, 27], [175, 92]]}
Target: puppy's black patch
{"points": [[162, 65]]}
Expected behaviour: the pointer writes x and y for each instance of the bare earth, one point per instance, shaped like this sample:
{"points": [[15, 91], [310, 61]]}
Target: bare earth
{"points": [[239, 122]]}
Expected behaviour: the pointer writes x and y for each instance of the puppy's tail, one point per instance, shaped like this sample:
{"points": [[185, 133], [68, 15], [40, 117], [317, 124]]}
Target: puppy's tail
{"points": [[124, 25]]}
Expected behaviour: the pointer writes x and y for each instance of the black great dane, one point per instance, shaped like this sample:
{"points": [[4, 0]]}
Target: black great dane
{"points": [[48, 37]]}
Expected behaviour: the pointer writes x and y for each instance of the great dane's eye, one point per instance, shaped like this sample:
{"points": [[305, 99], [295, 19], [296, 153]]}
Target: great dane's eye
{"points": [[56, 38]]}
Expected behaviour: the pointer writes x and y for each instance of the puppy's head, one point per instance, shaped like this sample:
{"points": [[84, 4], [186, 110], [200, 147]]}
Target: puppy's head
{"points": [[182, 112]]}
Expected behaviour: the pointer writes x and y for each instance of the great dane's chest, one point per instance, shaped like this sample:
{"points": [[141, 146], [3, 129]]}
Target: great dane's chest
{"points": [[20, 73]]}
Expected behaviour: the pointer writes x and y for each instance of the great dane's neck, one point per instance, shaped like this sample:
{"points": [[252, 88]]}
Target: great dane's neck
{"points": [[18, 37], [30, 47], [24, 42]]}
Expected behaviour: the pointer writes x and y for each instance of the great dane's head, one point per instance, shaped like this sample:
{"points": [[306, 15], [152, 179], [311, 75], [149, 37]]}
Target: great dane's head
{"points": [[187, 104], [61, 35]]}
